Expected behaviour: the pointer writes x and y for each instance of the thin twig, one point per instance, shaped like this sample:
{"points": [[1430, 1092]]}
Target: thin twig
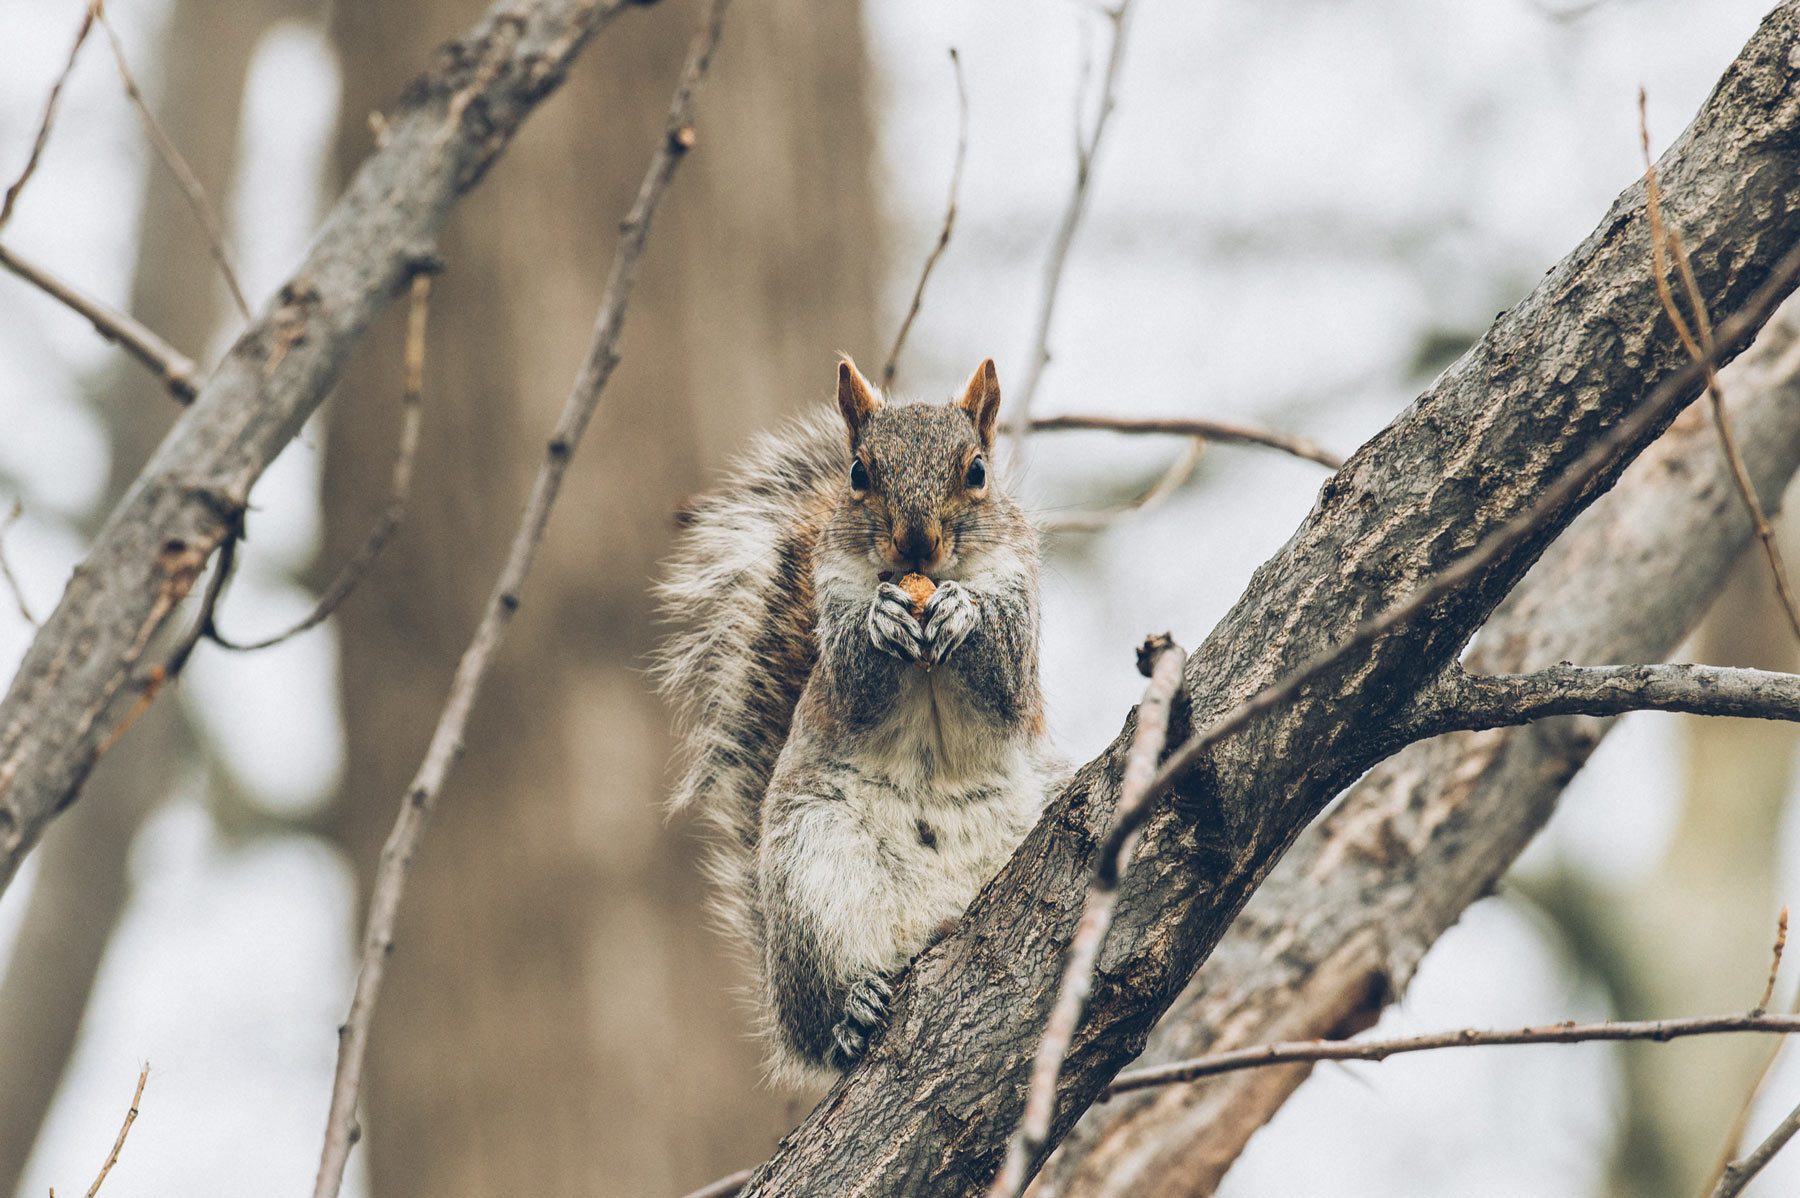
{"points": [[176, 370], [725, 1187], [1702, 347], [1295, 1051], [1781, 926], [943, 241], [1212, 430], [184, 175], [447, 738], [1166, 484], [1086, 148], [1738, 1173], [43, 133], [1741, 1121], [12, 583], [1160, 659], [130, 1117], [358, 567], [1661, 404]]}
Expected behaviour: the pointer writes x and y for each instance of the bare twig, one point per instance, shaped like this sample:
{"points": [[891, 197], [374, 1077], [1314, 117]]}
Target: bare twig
{"points": [[725, 1187], [1661, 403], [43, 133], [1294, 1051], [1166, 484], [177, 370], [447, 738], [1781, 926], [184, 174], [1211, 430], [1702, 348], [1738, 1173], [6, 574], [358, 567], [1087, 146], [1741, 1121], [1161, 660], [130, 1117], [943, 241]]}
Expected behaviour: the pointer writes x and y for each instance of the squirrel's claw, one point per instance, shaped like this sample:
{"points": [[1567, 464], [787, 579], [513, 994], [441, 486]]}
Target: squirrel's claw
{"points": [[951, 614], [891, 624], [865, 1012]]}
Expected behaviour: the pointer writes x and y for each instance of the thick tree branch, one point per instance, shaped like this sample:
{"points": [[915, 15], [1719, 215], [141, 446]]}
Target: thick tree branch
{"points": [[1366, 891], [88, 664], [929, 1108], [1471, 702]]}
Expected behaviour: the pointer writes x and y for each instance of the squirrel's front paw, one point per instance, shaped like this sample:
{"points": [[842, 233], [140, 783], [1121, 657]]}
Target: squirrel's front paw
{"points": [[950, 616], [891, 624], [865, 1013]]}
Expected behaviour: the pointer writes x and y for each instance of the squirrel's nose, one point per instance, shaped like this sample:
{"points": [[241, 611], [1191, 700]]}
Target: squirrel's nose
{"points": [[918, 543]]}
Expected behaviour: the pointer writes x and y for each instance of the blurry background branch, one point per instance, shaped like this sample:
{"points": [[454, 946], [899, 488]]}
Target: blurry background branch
{"points": [[62, 705]]}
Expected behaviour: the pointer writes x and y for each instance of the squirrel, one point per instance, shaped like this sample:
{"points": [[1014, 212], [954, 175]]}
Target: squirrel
{"points": [[869, 765]]}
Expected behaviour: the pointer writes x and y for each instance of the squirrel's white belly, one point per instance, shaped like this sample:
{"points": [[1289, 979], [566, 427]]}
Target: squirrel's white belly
{"points": [[910, 861]]}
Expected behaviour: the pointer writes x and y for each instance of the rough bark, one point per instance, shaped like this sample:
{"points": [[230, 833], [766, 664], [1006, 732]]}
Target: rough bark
{"points": [[81, 885], [95, 658], [1339, 928], [552, 931], [931, 1107]]}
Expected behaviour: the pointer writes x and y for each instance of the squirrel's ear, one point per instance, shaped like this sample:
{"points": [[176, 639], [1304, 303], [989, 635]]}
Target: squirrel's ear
{"points": [[981, 400], [855, 400]]}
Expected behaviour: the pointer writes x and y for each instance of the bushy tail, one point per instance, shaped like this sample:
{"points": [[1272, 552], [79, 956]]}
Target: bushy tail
{"points": [[740, 589]]}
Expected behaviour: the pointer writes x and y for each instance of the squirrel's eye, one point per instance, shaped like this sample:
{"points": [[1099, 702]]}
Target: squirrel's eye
{"points": [[977, 474], [859, 476]]}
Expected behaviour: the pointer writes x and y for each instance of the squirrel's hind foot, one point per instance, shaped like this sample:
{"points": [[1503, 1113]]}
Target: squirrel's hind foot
{"points": [[865, 1013]]}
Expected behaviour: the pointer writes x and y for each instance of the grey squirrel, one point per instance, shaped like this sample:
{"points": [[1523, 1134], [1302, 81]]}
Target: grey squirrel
{"points": [[867, 765]]}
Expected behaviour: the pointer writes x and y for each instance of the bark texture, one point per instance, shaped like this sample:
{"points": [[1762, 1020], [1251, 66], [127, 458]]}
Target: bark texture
{"points": [[558, 1018], [97, 655], [931, 1107], [1339, 928]]}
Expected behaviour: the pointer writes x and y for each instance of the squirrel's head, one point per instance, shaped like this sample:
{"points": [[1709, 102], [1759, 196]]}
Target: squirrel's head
{"points": [[919, 474]]}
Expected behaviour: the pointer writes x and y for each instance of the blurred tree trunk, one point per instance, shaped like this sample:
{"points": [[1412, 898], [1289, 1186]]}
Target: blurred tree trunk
{"points": [[196, 84], [559, 1019]]}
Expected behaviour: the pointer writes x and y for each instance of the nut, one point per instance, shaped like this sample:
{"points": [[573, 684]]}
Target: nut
{"points": [[918, 588]]}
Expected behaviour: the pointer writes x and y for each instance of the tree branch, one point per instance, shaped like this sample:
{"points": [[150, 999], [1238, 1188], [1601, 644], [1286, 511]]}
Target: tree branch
{"points": [[1161, 660], [1470, 702], [1367, 890], [1224, 432], [83, 671], [174, 368], [171, 156], [1087, 148], [1738, 1174], [1468, 1037], [1552, 379]]}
